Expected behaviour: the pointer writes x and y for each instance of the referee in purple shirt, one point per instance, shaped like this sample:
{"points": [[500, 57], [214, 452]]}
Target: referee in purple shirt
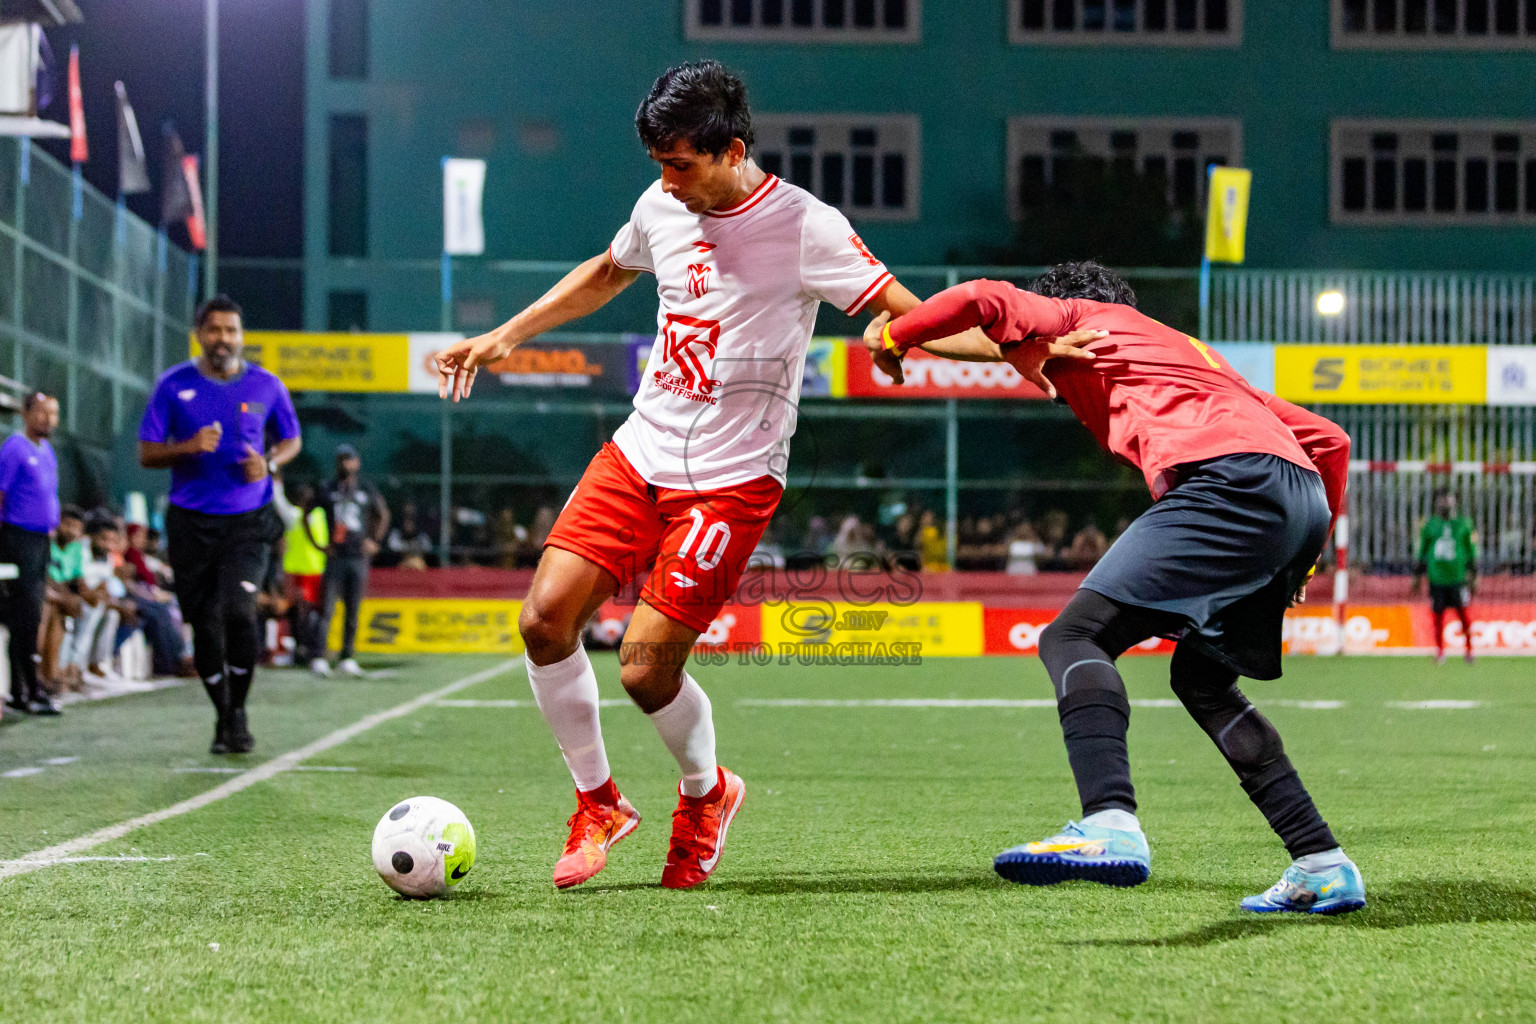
{"points": [[210, 420], [29, 512]]}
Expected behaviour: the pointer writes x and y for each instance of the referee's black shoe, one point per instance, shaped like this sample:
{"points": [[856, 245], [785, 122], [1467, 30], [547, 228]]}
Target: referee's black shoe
{"points": [[220, 744], [20, 705], [43, 704], [240, 739]]}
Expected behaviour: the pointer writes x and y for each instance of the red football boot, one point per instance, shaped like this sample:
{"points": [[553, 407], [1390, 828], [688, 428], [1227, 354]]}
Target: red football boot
{"points": [[698, 832], [595, 827]]}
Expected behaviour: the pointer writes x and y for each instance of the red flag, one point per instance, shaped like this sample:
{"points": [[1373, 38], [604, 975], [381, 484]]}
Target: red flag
{"points": [[196, 229], [79, 152]]}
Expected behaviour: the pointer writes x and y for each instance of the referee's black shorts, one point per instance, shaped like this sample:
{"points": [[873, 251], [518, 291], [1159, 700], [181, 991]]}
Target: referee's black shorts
{"points": [[1225, 549], [1443, 596], [220, 561]]}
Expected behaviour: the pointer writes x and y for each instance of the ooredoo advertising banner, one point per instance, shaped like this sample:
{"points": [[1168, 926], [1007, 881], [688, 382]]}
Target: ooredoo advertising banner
{"points": [[932, 377]]}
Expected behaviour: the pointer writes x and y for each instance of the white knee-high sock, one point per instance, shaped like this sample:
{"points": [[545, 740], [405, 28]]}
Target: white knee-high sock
{"points": [[566, 693], [687, 727]]}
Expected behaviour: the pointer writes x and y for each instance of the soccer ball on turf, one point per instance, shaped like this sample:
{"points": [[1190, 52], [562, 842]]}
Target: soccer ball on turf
{"points": [[423, 847]]}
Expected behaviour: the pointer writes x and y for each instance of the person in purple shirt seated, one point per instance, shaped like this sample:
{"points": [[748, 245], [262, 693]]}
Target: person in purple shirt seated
{"points": [[209, 421], [29, 511]]}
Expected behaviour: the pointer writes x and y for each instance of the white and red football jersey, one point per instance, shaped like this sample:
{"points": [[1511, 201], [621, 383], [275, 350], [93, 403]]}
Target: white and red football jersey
{"points": [[738, 289]]}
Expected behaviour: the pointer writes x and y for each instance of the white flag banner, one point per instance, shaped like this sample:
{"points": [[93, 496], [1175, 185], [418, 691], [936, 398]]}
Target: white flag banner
{"points": [[463, 187]]}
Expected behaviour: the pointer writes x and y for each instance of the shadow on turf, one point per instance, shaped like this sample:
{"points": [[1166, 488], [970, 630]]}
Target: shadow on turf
{"points": [[821, 884], [1400, 905]]}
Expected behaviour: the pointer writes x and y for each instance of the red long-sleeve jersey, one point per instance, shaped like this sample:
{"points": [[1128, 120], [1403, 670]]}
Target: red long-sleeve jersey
{"points": [[1153, 397]]}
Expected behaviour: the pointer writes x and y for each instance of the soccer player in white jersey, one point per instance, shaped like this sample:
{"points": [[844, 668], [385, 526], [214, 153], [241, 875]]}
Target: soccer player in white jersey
{"points": [[685, 489]]}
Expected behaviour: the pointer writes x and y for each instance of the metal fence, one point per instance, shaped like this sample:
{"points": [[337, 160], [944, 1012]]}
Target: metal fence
{"points": [[1404, 308], [1475, 445], [93, 301]]}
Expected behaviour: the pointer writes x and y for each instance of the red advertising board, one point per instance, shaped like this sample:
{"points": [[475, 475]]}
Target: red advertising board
{"points": [[932, 377], [1017, 631], [737, 626]]}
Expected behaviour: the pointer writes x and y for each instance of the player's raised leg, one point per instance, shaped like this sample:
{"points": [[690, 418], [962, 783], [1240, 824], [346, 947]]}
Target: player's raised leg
{"points": [[1079, 650], [567, 589], [1321, 879]]}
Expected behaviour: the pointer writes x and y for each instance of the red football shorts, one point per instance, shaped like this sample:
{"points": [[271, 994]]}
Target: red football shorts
{"points": [[308, 587], [694, 545]]}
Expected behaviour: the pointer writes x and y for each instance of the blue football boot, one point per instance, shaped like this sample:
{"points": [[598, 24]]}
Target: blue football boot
{"points": [[1336, 890], [1110, 856]]}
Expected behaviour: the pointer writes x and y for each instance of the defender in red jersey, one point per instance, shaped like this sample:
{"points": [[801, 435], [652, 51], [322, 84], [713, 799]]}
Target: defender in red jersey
{"points": [[1247, 487], [681, 495]]}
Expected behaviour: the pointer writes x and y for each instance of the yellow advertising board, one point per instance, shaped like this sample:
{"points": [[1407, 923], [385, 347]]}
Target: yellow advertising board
{"points": [[928, 629], [1388, 374], [331, 362], [434, 626]]}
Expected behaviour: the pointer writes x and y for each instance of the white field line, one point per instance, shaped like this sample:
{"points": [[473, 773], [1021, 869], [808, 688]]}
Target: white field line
{"points": [[1434, 705], [950, 702], [521, 704], [284, 762], [103, 860]]}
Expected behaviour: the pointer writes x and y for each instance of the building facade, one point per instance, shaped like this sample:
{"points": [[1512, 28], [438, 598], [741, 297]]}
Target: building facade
{"points": [[1382, 134]]}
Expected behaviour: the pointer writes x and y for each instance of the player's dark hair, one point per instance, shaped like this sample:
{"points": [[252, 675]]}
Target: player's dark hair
{"points": [[33, 400], [218, 304], [72, 512], [700, 103], [1085, 280]]}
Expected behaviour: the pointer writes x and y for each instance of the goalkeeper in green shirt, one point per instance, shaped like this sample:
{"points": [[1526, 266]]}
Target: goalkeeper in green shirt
{"points": [[1448, 556]]}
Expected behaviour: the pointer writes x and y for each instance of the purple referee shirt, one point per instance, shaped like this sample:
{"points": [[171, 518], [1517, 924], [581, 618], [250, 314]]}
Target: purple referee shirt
{"points": [[252, 406], [29, 479]]}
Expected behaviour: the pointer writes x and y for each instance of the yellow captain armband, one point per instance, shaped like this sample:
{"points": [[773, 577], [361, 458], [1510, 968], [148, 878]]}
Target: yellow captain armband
{"points": [[885, 335]]}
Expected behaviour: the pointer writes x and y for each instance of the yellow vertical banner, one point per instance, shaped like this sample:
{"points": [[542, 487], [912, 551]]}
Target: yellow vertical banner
{"points": [[1226, 215]]}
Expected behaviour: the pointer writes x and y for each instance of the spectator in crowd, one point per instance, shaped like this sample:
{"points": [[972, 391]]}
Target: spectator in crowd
{"points": [[818, 536], [155, 609], [1052, 529], [543, 522], [511, 538], [1024, 550], [29, 512], [982, 545], [359, 520], [409, 543], [304, 563], [99, 630], [932, 545], [848, 544], [1088, 546], [769, 553], [63, 604]]}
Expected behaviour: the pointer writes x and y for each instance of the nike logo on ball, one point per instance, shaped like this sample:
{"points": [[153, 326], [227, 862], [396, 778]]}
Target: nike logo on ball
{"points": [[458, 872]]}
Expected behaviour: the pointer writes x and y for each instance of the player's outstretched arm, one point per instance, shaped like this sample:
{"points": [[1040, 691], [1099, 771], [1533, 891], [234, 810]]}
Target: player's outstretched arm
{"points": [[584, 290], [973, 322]]}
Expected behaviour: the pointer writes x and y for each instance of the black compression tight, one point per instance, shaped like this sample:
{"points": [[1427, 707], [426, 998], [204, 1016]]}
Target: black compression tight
{"points": [[1079, 650]]}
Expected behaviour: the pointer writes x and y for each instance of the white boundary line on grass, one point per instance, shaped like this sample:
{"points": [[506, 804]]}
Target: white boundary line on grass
{"points": [[64, 852]]}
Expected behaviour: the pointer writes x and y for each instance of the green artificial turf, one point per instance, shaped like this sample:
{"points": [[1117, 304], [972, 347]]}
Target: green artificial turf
{"points": [[856, 885]]}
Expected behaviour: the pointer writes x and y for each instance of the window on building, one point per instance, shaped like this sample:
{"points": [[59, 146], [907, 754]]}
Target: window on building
{"points": [[1435, 24], [866, 166], [1128, 22], [805, 21], [1048, 154], [349, 39], [346, 311], [1417, 172], [347, 191]]}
